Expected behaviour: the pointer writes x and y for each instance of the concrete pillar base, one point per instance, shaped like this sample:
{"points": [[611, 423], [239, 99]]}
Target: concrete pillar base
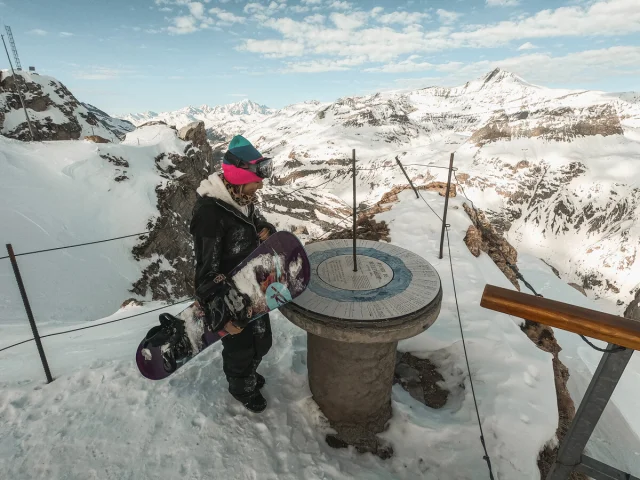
{"points": [[351, 383]]}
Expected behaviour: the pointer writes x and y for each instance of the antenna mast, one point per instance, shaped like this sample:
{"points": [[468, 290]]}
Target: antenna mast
{"points": [[13, 47]]}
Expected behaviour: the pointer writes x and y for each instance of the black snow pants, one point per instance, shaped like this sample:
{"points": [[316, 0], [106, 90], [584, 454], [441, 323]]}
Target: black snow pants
{"points": [[241, 355]]}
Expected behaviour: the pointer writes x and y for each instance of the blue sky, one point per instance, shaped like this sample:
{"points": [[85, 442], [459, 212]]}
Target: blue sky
{"points": [[135, 55]]}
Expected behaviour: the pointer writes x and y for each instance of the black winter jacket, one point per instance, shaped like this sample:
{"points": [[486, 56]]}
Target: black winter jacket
{"points": [[223, 236]]}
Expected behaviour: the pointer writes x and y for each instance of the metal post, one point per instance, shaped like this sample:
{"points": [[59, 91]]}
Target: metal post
{"points": [[408, 179], [355, 262], [603, 383], [446, 205], [27, 307], [15, 83]]}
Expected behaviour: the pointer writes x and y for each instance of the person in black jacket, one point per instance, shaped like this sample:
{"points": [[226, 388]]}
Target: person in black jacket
{"points": [[226, 228]]}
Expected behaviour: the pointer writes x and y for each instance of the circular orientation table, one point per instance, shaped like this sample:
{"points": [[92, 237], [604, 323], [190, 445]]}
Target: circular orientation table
{"points": [[354, 321]]}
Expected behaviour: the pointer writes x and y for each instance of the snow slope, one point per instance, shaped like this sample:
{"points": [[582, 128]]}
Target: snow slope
{"points": [[101, 419], [65, 193]]}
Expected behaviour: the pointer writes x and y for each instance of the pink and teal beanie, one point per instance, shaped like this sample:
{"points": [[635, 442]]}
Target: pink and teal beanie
{"points": [[241, 148]]}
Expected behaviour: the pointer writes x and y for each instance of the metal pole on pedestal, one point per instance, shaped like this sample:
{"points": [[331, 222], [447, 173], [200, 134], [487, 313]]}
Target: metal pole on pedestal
{"points": [[355, 263], [17, 87], [446, 205]]}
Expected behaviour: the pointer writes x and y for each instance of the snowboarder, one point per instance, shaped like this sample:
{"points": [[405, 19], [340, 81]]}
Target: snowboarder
{"points": [[226, 228]]}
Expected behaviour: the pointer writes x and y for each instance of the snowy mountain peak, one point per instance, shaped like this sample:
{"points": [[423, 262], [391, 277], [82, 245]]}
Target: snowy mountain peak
{"points": [[228, 113], [55, 113], [243, 107], [498, 75]]}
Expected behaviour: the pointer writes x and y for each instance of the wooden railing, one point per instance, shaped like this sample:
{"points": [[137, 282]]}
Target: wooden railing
{"points": [[618, 331], [591, 323]]}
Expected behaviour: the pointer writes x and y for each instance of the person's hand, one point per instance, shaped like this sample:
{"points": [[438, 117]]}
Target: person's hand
{"points": [[231, 329], [263, 234]]}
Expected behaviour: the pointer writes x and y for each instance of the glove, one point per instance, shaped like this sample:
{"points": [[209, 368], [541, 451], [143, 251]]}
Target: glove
{"points": [[216, 287], [210, 294]]}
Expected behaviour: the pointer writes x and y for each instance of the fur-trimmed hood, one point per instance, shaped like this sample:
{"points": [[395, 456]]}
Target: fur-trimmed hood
{"points": [[214, 187]]}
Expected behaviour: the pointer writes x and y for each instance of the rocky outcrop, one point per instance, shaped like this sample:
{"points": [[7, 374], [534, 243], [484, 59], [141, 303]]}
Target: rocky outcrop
{"points": [[97, 139], [545, 339], [54, 112], [168, 246], [559, 124], [633, 309], [482, 237]]}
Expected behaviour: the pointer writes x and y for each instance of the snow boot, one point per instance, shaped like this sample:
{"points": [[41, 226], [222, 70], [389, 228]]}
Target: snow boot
{"points": [[256, 404]]}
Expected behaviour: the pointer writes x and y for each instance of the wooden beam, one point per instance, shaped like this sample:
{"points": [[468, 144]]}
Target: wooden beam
{"points": [[591, 323]]}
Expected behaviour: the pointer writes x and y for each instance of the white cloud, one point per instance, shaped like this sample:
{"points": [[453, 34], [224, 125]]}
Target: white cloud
{"points": [[527, 46], [408, 65], [316, 66], [312, 2], [183, 25], [274, 48], [226, 17], [541, 68], [66, 34], [37, 31], [262, 12], [503, 3], [317, 18], [299, 9], [101, 73], [349, 21], [404, 18], [606, 18], [447, 16], [166, 9], [196, 9], [376, 11], [340, 5]]}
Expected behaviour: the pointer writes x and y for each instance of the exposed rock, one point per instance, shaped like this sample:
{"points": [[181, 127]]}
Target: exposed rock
{"points": [[298, 174], [54, 113], [580, 288], [392, 195], [555, 271], [441, 188], [473, 240], [560, 124], [633, 309], [366, 229], [421, 379], [544, 338], [299, 230], [97, 139], [169, 237], [483, 237], [117, 161], [131, 302]]}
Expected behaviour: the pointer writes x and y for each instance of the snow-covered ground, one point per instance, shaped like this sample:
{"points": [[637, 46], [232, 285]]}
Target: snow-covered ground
{"points": [[64, 193], [101, 419]]}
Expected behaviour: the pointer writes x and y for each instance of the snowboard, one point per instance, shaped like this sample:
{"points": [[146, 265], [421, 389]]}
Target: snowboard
{"points": [[272, 275]]}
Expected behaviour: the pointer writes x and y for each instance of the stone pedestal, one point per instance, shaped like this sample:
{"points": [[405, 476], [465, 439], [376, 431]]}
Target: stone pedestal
{"points": [[351, 358]]}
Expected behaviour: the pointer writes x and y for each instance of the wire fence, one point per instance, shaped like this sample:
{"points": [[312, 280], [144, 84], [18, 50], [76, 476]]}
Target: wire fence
{"points": [[341, 225]]}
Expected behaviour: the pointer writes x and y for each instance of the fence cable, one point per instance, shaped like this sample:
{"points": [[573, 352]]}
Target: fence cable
{"points": [[99, 324], [77, 245]]}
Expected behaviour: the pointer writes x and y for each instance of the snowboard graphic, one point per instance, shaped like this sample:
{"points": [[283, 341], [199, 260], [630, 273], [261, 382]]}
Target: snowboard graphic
{"points": [[274, 274]]}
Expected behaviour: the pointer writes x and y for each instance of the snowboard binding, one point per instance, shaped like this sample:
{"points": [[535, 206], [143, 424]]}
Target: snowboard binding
{"points": [[171, 337]]}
